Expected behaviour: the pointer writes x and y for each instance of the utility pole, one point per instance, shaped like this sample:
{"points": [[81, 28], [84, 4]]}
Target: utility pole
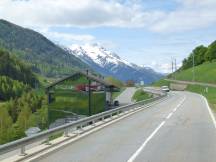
{"points": [[175, 68], [89, 94], [172, 66], [193, 69]]}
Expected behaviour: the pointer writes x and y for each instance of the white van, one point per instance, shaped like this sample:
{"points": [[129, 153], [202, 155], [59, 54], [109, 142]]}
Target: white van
{"points": [[165, 89]]}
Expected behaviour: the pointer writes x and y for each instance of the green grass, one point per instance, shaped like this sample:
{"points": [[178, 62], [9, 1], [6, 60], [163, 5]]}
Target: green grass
{"points": [[210, 95], [2, 103], [76, 102], [114, 81], [140, 95], [203, 73], [160, 83]]}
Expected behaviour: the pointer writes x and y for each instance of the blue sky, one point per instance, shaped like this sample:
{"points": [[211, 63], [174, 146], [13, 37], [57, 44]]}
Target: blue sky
{"points": [[145, 32]]}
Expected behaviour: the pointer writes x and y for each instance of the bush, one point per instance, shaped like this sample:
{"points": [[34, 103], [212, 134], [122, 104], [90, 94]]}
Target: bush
{"points": [[140, 95]]}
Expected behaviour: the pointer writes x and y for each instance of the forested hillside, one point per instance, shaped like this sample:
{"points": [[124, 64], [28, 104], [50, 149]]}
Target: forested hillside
{"points": [[46, 57], [201, 54], [114, 81], [20, 106], [12, 67]]}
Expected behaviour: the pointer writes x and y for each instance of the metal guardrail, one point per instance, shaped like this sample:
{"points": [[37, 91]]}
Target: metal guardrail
{"points": [[22, 143]]}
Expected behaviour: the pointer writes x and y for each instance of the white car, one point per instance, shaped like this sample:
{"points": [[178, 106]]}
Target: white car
{"points": [[165, 89]]}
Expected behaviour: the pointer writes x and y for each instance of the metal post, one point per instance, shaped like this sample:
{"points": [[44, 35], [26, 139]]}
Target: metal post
{"points": [[89, 96], [66, 133], [22, 151], [48, 115], [105, 93], [172, 67], [111, 100], [93, 122], [175, 69], [193, 69]]}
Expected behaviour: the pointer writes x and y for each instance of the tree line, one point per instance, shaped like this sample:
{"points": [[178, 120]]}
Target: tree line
{"points": [[17, 115], [10, 88], [201, 54], [21, 107], [15, 69]]}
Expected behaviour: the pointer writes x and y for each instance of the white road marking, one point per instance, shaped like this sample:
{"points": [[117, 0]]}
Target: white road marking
{"points": [[174, 110], [210, 111], [133, 157], [170, 114]]}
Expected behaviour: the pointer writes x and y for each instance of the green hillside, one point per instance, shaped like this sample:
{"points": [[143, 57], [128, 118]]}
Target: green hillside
{"points": [[114, 81], [11, 67], [20, 105], [46, 57], [203, 73], [204, 61]]}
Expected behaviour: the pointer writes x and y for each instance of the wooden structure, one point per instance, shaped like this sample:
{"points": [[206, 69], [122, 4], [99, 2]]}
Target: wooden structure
{"points": [[107, 88]]}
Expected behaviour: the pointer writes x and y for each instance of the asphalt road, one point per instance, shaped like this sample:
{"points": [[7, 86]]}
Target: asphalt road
{"points": [[192, 83], [179, 129], [126, 96]]}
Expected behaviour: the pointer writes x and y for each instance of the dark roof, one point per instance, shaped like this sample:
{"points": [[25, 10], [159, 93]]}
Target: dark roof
{"points": [[85, 73]]}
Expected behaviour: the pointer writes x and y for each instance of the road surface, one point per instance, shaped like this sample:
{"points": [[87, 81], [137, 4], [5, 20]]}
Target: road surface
{"points": [[192, 83], [179, 129], [126, 96]]}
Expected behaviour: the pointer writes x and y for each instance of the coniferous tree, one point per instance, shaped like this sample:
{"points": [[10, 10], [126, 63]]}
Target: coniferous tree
{"points": [[5, 125]]}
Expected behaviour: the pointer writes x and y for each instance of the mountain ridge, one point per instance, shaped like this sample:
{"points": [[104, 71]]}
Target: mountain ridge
{"points": [[29, 45], [110, 64]]}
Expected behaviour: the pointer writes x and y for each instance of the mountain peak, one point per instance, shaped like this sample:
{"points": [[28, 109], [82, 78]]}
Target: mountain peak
{"points": [[109, 63], [37, 50], [98, 54]]}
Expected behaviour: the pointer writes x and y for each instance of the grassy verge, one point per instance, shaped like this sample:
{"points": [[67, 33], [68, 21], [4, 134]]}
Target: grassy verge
{"points": [[140, 95], [210, 94], [76, 102], [161, 82], [203, 73]]}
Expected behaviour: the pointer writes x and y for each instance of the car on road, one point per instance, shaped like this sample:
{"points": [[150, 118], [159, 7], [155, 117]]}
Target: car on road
{"points": [[165, 89], [116, 103]]}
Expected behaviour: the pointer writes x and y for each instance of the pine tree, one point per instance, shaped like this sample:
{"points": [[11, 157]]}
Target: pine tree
{"points": [[23, 118], [5, 125]]}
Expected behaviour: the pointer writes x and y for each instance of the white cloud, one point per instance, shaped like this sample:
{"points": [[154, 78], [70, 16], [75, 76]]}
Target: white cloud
{"points": [[82, 13], [192, 14], [189, 14], [163, 67], [66, 38]]}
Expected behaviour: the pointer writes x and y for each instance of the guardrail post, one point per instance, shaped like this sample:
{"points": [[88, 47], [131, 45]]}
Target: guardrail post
{"points": [[111, 116], [22, 151], [93, 122], [47, 142], [118, 112], [125, 112], [66, 133], [103, 119]]}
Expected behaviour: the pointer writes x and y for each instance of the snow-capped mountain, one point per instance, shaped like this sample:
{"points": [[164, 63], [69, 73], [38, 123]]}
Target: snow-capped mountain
{"points": [[110, 64]]}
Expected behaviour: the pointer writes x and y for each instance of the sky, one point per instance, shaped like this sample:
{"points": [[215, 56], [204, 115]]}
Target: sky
{"points": [[146, 32]]}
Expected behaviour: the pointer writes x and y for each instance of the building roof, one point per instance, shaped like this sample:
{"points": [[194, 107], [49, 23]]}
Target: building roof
{"points": [[84, 73]]}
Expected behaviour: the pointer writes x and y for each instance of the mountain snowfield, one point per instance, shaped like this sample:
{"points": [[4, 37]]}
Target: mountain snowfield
{"points": [[109, 63]]}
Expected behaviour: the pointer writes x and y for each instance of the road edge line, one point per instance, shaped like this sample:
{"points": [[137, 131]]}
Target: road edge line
{"points": [[137, 152], [50, 150], [210, 111]]}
